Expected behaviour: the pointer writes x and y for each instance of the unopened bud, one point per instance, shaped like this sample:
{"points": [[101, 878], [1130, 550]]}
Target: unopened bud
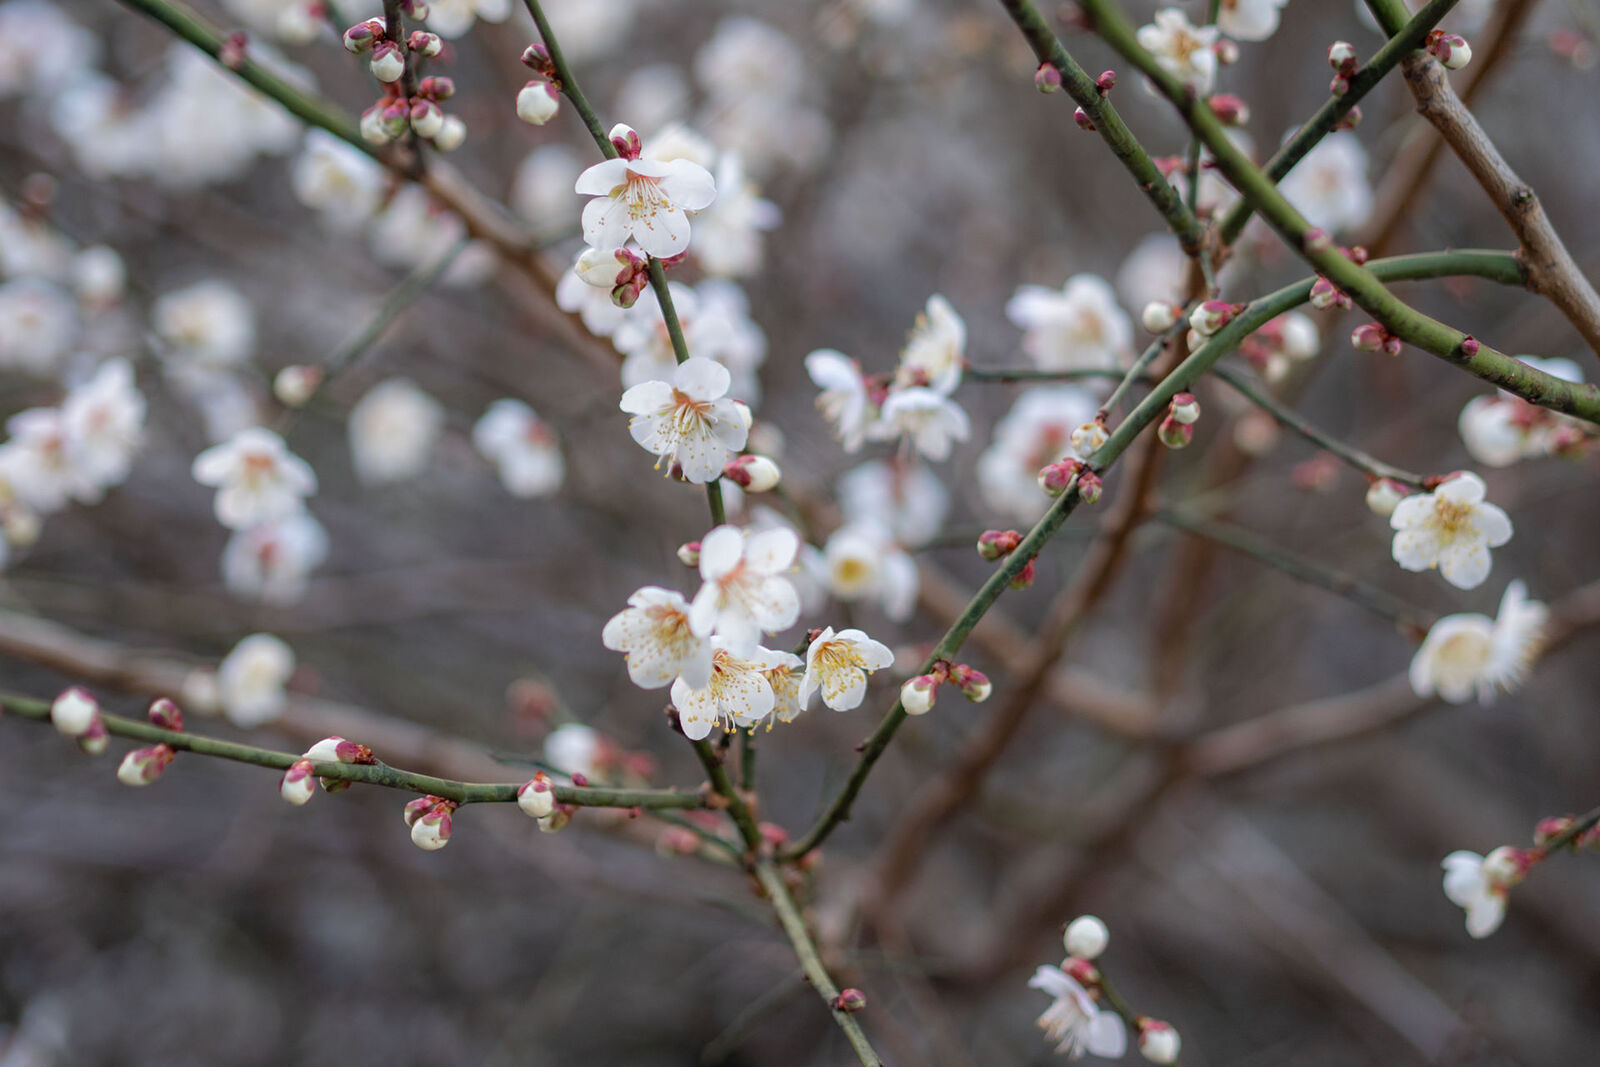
{"points": [[1450, 49], [363, 35], [1185, 409], [1342, 58], [601, 267], [1317, 240], [537, 57], [1384, 495], [387, 63], [450, 135], [426, 119], [1086, 937], [556, 821], [296, 384], [1087, 439], [167, 715], [431, 831], [1106, 82], [1211, 316], [1552, 827], [998, 544], [74, 711], [536, 798], [1055, 478], [689, 554], [1047, 79], [373, 129], [1230, 110], [1158, 1041], [336, 749], [1350, 119], [1175, 434], [1159, 316], [849, 1001], [1368, 337], [1090, 487], [1325, 295], [1227, 52], [973, 683], [1339, 86], [1469, 346], [753, 474], [1081, 117], [424, 43], [1024, 577], [94, 740], [144, 765], [298, 783], [626, 141], [537, 103], [918, 694]]}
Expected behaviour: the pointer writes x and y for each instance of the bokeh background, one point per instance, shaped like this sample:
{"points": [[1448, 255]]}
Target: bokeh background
{"points": [[1281, 909]]}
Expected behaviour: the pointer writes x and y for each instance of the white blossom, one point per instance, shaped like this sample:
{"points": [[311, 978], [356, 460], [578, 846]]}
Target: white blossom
{"points": [[926, 419], [1078, 327], [575, 296], [845, 401], [715, 320], [1330, 185], [1480, 885], [745, 591], [340, 182], [1452, 528], [256, 477], [1249, 20], [1153, 272], [272, 561], [645, 199], [41, 325], [837, 665], [102, 421], [41, 50], [906, 498], [863, 563], [738, 693], [689, 422], [936, 349], [453, 18], [729, 239], [1182, 49], [522, 447], [208, 323], [655, 636], [541, 192], [393, 429], [290, 21], [37, 462], [574, 748], [1467, 654], [414, 229], [251, 680], [1073, 1021], [654, 96]]}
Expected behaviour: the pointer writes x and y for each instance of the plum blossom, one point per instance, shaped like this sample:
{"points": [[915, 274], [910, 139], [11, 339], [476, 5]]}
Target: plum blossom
{"points": [[845, 400], [209, 323], [453, 18], [541, 192], [1182, 49], [862, 562], [1249, 20], [1467, 654], [256, 477], [935, 350], [41, 49], [522, 447], [1330, 185], [730, 242], [37, 462], [1451, 528], [1481, 885], [1501, 429], [925, 419], [340, 182], [272, 561], [41, 322], [251, 680], [573, 748], [1152, 272], [715, 320], [1073, 1021], [655, 636], [837, 665], [102, 422], [745, 592], [290, 21], [645, 199], [906, 498], [1035, 433], [393, 429], [575, 296], [738, 694], [689, 422], [1078, 327]]}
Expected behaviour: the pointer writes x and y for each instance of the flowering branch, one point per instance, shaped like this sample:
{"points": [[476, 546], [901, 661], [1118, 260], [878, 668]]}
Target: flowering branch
{"points": [[1407, 39], [1316, 247], [372, 774], [1293, 420], [1096, 105]]}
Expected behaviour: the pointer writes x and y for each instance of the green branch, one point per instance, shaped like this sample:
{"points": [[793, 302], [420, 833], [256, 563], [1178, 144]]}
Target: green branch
{"points": [[371, 774], [1362, 285]]}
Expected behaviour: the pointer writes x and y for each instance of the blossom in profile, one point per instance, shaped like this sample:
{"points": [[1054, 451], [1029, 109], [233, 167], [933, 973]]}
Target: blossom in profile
{"points": [[573, 748], [746, 592], [1480, 885], [102, 421], [837, 665], [1452, 528], [927, 420], [935, 352], [1182, 49], [845, 401], [272, 561], [689, 421], [1471, 654], [1077, 327], [1073, 1021], [645, 199], [737, 695], [251, 680], [256, 477], [522, 447], [660, 645]]}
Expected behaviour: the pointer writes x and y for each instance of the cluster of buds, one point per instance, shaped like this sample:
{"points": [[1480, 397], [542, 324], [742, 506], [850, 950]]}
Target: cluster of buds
{"points": [[621, 270], [77, 714], [1375, 337], [918, 694], [539, 98], [994, 545], [1449, 49], [1230, 110], [1080, 988], [395, 113], [144, 765], [1058, 477], [1177, 429], [1342, 58], [333, 749], [429, 819], [753, 474]]}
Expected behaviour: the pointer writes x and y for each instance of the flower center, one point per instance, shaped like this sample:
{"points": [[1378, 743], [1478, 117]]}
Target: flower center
{"points": [[643, 196], [1451, 519]]}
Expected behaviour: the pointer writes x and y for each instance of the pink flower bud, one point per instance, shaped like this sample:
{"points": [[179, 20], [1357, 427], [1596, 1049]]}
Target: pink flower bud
{"points": [[74, 711], [1450, 49], [1507, 866], [431, 830], [167, 715], [536, 798], [537, 57], [1325, 295], [1317, 241], [918, 694], [1024, 577], [144, 765], [1081, 971], [234, 51], [1339, 86], [753, 474], [1055, 478], [1342, 58], [387, 64], [94, 740], [1158, 1041], [537, 103], [298, 783], [1047, 79], [1090, 487], [998, 544], [556, 821], [1319, 474], [1384, 495], [1552, 827], [973, 683], [1185, 409], [1106, 82], [1175, 434], [1368, 337], [424, 43], [1211, 316], [415, 809], [363, 35], [336, 749], [849, 1001], [426, 118], [689, 554], [373, 129], [1350, 119], [1469, 346], [414, 9], [626, 141], [296, 384], [1227, 52], [1081, 117], [437, 87], [1159, 316], [1230, 110]]}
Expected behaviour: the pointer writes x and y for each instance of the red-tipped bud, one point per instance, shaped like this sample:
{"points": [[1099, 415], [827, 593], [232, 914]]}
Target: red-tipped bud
{"points": [[298, 783], [430, 830], [753, 474], [1350, 119], [94, 740], [1369, 337], [1024, 577], [144, 765], [1106, 82], [426, 118], [536, 797], [1227, 52], [437, 87], [537, 58], [1081, 971], [689, 554], [1384, 495], [1552, 827], [1450, 49], [363, 35], [1081, 117], [626, 141], [1317, 241], [1047, 79], [973, 683], [167, 715], [1212, 315], [1090, 487], [232, 53], [1055, 478], [998, 544], [387, 64], [424, 43], [1175, 434], [1185, 409], [1339, 86], [1231, 110], [1469, 346], [1158, 1041], [1325, 295], [537, 103], [849, 1001], [1342, 58]]}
